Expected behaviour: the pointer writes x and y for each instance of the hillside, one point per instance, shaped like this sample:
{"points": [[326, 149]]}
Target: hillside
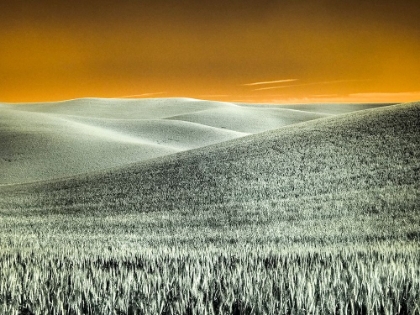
{"points": [[349, 177], [43, 141], [309, 218]]}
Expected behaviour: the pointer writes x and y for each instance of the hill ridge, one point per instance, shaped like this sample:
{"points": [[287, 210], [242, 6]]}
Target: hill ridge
{"points": [[350, 179], [230, 144], [40, 141]]}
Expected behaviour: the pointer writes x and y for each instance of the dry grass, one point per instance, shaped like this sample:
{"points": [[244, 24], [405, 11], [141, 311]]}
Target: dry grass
{"points": [[373, 279], [320, 218]]}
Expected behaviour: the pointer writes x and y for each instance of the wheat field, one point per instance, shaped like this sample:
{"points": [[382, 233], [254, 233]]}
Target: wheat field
{"points": [[316, 218]]}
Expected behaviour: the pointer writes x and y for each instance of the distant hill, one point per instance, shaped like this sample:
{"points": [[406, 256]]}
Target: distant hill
{"points": [[351, 174], [43, 141]]}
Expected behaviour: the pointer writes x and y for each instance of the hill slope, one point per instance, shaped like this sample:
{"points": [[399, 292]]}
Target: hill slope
{"points": [[44, 141], [351, 177]]}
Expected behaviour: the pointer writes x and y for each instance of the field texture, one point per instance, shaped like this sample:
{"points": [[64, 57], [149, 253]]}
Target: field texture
{"points": [[320, 217], [44, 141]]}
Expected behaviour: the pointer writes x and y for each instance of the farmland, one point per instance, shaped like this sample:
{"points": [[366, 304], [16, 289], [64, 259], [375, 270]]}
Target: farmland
{"points": [[320, 217]]}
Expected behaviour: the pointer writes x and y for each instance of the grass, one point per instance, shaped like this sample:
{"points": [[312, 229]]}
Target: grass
{"points": [[317, 218], [44, 141], [352, 280]]}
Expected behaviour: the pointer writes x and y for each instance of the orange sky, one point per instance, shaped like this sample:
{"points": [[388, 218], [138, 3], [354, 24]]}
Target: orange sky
{"points": [[316, 50]]}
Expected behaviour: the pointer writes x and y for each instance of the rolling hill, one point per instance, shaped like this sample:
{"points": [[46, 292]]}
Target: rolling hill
{"points": [[43, 141], [320, 217], [360, 168]]}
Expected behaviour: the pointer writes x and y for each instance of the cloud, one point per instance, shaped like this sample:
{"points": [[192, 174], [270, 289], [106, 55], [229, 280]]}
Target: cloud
{"points": [[270, 82], [214, 95], [306, 84], [324, 95], [143, 95], [372, 97], [387, 97]]}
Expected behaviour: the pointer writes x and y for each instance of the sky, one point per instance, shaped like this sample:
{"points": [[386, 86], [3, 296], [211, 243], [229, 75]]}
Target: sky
{"points": [[255, 51]]}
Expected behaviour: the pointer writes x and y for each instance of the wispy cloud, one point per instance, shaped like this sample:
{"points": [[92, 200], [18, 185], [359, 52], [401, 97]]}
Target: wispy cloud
{"points": [[270, 82], [324, 95], [373, 97], [387, 97], [214, 95], [305, 84], [143, 95]]}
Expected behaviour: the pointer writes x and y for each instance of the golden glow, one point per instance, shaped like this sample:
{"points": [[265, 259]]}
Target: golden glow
{"points": [[246, 51]]}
